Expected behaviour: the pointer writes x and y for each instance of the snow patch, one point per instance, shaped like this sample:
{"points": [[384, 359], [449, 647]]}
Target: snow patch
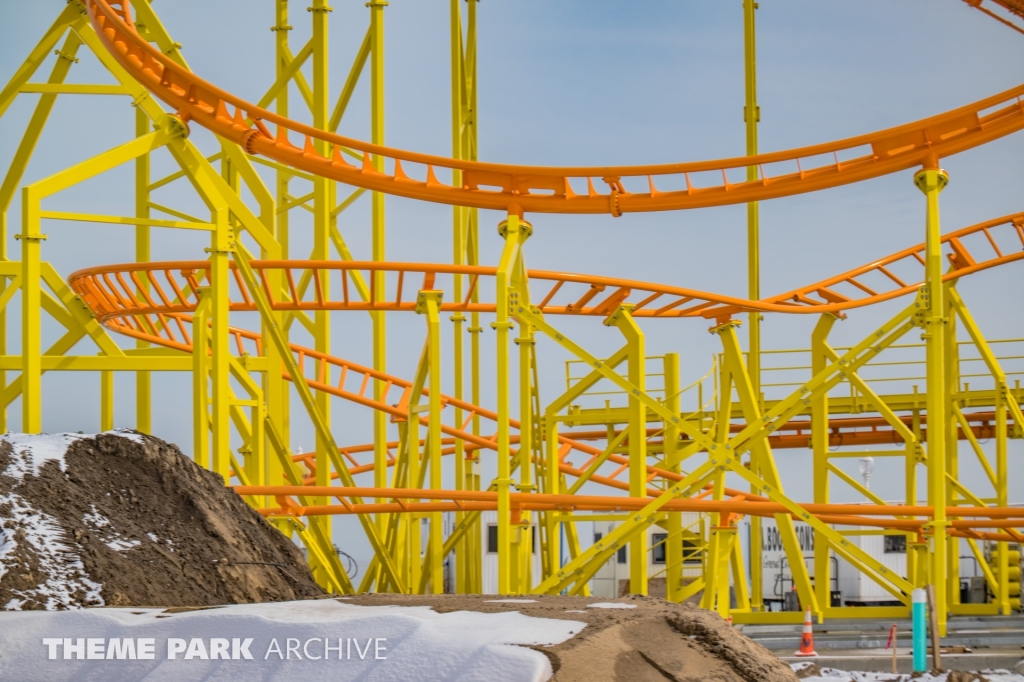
{"points": [[59, 578], [95, 519], [33, 450], [834, 675], [119, 545]]}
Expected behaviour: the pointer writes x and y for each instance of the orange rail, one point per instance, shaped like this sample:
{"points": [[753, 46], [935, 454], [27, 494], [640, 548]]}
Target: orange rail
{"points": [[516, 188], [153, 302], [845, 432], [965, 524], [1015, 7], [117, 293]]}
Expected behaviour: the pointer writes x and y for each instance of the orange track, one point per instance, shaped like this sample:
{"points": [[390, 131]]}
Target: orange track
{"points": [[110, 289], [161, 314], [522, 189], [540, 189], [1007, 518]]}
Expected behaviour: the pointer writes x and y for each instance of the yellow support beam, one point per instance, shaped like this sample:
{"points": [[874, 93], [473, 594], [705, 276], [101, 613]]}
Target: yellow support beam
{"points": [[637, 373], [428, 304], [72, 89], [931, 182]]}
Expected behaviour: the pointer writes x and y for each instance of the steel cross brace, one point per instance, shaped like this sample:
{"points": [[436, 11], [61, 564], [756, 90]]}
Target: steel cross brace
{"points": [[248, 276], [834, 373]]}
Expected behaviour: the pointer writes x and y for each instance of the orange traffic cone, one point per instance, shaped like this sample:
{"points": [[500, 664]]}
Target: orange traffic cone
{"points": [[807, 638]]}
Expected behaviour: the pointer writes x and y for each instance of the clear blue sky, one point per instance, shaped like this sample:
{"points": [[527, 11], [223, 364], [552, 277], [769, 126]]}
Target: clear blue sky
{"points": [[592, 82]]}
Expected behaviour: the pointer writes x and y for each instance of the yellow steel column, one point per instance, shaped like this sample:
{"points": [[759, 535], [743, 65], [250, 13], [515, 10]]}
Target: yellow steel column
{"points": [[31, 308], [429, 303], [515, 231], [200, 379], [552, 485], [23, 155], [377, 248], [914, 569], [751, 117], [713, 543], [1002, 596], [143, 380], [952, 380], [931, 181], [474, 543], [106, 401], [458, 81], [819, 447], [637, 376], [220, 367], [277, 390], [525, 533], [674, 525], [322, 206], [31, 271]]}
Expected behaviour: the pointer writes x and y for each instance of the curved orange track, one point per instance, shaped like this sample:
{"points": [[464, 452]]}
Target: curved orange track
{"points": [[515, 188], [519, 189], [154, 302], [110, 290]]}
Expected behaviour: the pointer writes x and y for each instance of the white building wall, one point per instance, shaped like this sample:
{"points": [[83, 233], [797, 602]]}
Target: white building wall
{"points": [[777, 577], [608, 580]]}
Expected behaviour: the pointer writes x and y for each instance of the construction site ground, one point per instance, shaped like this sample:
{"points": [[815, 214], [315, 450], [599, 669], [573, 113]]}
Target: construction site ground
{"points": [[972, 643]]}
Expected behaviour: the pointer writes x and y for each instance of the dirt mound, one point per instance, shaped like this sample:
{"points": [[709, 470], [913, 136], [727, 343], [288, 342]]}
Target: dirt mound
{"points": [[124, 519], [633, 639]]}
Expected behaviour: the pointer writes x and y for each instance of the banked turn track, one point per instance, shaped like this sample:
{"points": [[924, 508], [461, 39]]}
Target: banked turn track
{"points": [[155, 302], [540, 189], [117, 297]]}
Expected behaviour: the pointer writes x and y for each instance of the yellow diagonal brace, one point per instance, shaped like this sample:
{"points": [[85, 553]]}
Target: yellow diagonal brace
{"points": [[286, 76], [101, 163], [876, 401], [975, 445], [986, 353], [895, 584], [860, 354], [762, 461], [155, 30], [33, 131], [852, 482], [9, 292], [963, 490], [323, 429], [300, 79], [351, 82], [189, 158], [59, 347], [324, 554], [535, 318], [580, 569], [598, 461], [80, 313], [584, 384], [68, 15]]}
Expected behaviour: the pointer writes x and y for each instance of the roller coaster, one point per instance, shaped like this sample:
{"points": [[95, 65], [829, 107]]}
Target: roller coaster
{"points": [[653, 461]]}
